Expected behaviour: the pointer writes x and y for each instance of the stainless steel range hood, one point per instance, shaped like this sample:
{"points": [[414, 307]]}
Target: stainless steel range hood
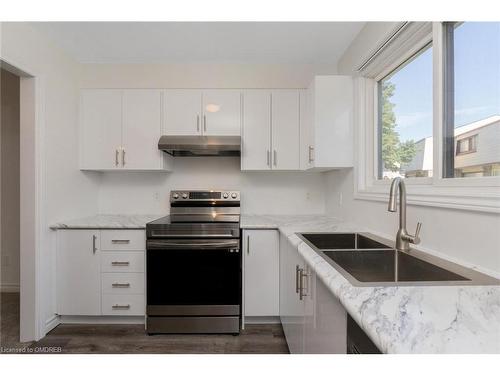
{"points": [[197, 145]]}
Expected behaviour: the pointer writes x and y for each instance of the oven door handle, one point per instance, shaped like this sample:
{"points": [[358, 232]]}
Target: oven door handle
{"points": [[225, 235], [194, 245]]}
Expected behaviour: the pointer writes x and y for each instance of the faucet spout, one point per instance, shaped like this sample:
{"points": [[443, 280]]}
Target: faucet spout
{"points": [[403, 239]]}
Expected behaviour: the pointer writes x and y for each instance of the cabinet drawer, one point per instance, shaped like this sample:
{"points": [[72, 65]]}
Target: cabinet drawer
{"points": [[122, 261], [123, 239], [122, 283], [123, 304]]}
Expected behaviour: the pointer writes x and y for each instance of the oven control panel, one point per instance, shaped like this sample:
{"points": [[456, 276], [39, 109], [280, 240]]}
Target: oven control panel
{"points": [[204, 195]]}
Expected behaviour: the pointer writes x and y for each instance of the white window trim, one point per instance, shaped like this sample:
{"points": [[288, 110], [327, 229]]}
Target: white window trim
{"points": [[470, 193]]}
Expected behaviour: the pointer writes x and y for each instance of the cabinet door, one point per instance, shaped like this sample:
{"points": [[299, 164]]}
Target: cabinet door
{"points": [[325, 322], [256, 130], [221, 112], [261, 270], [285, 129], [78, 272], [141, 129], [291, 307], [100, 129], [307, 148], [182, 112]]}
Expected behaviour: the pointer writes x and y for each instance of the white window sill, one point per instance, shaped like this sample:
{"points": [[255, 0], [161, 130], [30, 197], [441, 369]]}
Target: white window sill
{"points": [[482, 199]]}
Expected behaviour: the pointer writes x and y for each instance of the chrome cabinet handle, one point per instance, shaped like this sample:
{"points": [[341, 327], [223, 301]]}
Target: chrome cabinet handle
{"points": [[120, 307], [198, 123], [204, 123], [301, 288], [120, 263], [120, 241], [94, 239], [297, 283], [123, 157], [120, 285], [268, 158], [275, 158], [117, 152], [311, 153], [248, 244]]}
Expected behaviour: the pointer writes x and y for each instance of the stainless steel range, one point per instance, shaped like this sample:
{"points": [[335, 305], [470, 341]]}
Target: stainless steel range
{"points": [[193, 263]]}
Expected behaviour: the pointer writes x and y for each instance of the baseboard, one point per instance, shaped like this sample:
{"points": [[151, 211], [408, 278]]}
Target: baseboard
{"points": [[77, 319], [9, 288], [52, 323], [262, 320]]}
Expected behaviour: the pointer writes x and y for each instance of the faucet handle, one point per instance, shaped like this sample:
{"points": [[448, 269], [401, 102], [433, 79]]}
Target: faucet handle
{"points": [[416, 238]]}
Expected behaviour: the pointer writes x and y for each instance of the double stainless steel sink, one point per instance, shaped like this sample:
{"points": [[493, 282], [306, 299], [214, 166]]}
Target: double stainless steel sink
{"points": [[367, 260]]}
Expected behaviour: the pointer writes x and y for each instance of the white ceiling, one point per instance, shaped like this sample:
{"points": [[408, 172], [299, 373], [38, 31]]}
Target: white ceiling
{"points": [[197, 42]]}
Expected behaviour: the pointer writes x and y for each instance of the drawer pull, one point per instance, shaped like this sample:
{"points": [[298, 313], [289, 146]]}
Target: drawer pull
{"points": [[120, 241], [120, 307], [120, 285], [120, 263]]}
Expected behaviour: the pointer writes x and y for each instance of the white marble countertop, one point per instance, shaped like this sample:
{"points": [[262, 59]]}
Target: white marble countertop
{"points": [[409, 319], [107, 222]]}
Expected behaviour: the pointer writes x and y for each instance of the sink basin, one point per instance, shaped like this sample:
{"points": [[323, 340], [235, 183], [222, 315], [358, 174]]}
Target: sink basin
{"points": [[389, 265], [367, 260], [333, 241]]}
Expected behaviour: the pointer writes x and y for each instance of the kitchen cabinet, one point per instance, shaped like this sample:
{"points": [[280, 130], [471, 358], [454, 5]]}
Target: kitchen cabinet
{"points": [[119, 130], [100, 272], [100, 129], [222, 112], [291, 304], [78, 272], [285, 120], [256, 131], [202, 112], [183, 112], [261, 272], [325, 319], [326, 134], [313, 319], [271, 130]]}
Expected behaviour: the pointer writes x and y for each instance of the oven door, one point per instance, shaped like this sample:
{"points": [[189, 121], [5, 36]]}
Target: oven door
{"points": [[193, 277]]}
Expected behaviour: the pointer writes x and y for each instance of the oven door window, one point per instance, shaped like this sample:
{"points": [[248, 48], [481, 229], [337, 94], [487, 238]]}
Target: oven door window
{"points": [[193, 276]]}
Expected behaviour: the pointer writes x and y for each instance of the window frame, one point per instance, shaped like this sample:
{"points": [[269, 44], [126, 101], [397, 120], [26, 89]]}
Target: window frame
{"points": [[465, 193]]}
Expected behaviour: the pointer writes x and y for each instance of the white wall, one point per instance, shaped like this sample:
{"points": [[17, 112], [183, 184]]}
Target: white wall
{"points": [[262, 192], [9, 169], [67, 192], [469, 237]]}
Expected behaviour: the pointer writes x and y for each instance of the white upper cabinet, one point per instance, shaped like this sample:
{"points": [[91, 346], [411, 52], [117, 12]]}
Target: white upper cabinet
{"points": [[222, 112], [183, 112], [256, 130], [100, 129], [326, 135], [271, 130], [120, 130], [285, 121], [142, 126]]}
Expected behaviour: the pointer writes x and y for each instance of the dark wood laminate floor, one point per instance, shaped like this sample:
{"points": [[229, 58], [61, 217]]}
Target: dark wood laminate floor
{"points": [[131, 339]]}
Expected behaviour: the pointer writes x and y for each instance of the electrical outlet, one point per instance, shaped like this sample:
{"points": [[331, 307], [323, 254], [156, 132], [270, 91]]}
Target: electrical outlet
{"points": [[308, 195], [156, 196]]}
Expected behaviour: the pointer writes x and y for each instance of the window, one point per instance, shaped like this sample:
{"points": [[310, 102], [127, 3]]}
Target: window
{"points": [[405, 119], [472, 99], [466, 145]]}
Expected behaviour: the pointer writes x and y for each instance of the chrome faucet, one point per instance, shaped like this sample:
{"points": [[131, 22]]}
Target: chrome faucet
{"points": [[403, 239]]}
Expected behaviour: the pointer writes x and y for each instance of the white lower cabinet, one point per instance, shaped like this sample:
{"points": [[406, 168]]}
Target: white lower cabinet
{"points": [[98, 273], [78, 272], [313, 319], [261, 273]]}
